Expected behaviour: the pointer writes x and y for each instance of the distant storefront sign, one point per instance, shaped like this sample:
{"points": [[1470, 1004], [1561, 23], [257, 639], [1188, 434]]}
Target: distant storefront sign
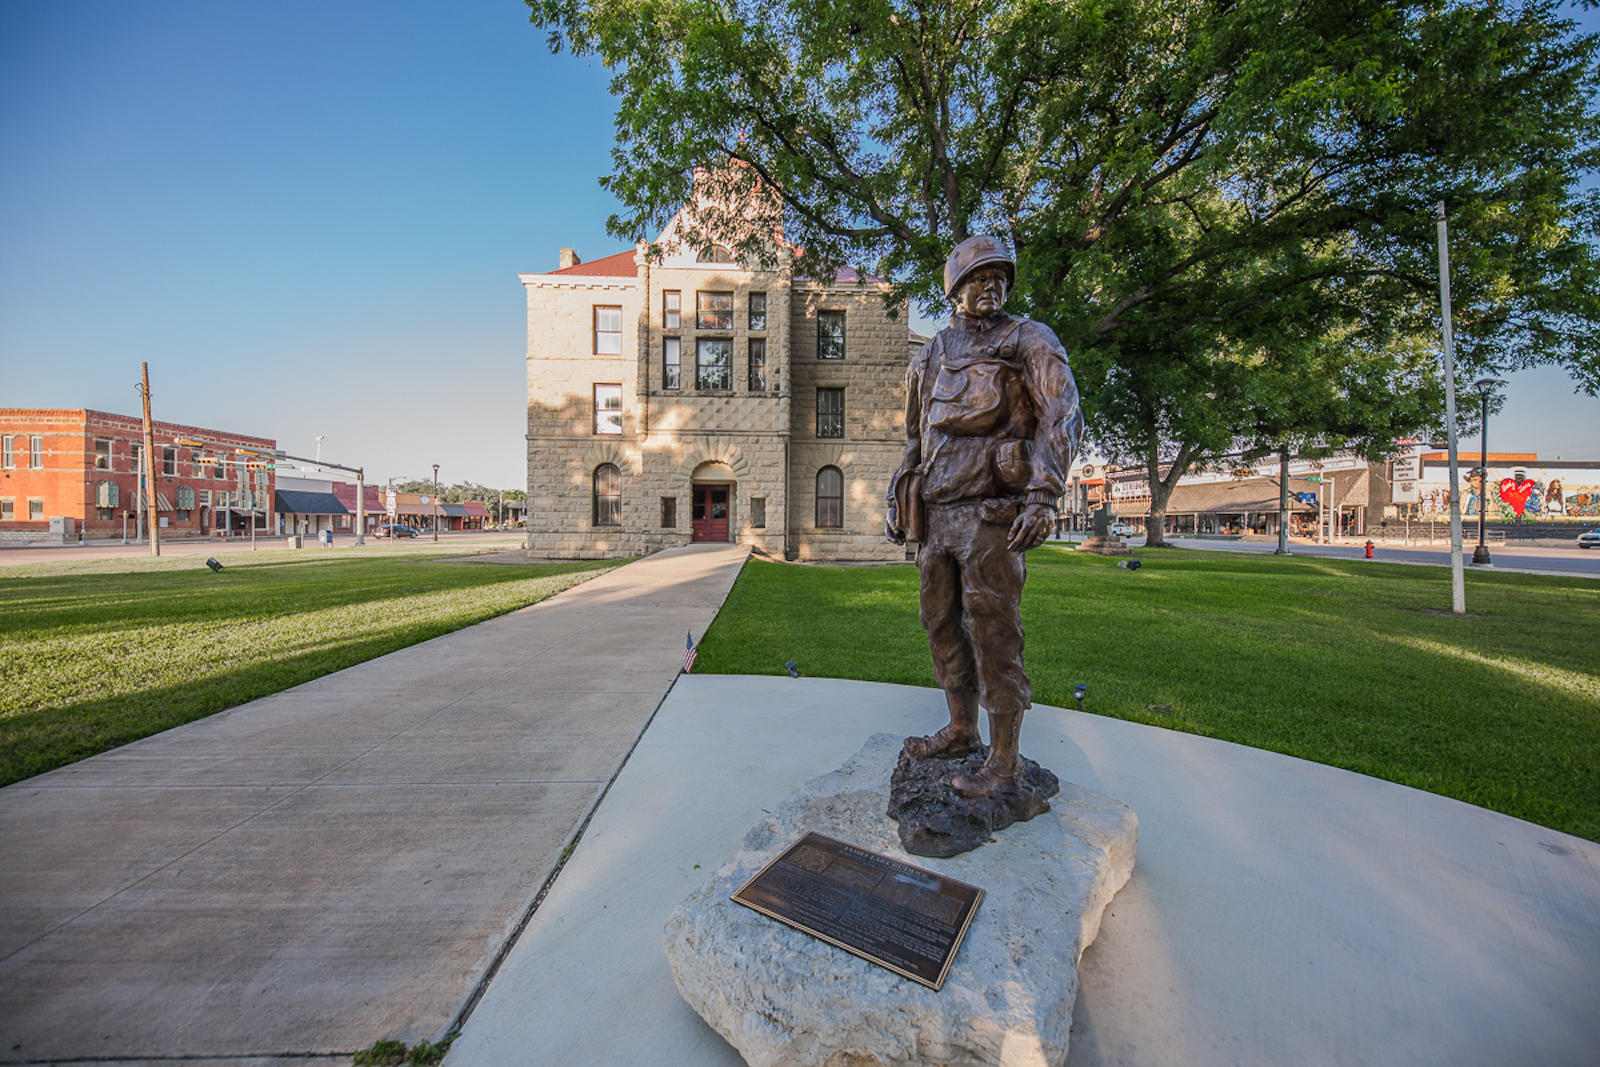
{"points": [[1407, 473]]}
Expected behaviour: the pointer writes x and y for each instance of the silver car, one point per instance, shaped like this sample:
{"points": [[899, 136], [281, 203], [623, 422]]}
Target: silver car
{"points": [[1589, 540]]}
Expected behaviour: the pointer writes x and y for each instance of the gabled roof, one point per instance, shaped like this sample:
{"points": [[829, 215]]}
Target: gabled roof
{"points": [[620, 265]]}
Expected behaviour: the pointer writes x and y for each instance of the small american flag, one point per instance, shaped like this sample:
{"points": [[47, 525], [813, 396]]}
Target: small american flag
{"points": [[690, 656]]}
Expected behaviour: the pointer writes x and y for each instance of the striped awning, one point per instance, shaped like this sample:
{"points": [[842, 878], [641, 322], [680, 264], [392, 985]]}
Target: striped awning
{"points": [[163, 504]]}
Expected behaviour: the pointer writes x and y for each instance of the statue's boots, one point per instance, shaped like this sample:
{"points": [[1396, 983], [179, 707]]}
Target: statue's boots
{"points": [[1002, 771], [960, 738]]}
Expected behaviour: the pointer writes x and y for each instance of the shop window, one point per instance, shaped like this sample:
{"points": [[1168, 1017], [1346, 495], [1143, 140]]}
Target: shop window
{"points": [[35, 509], [830, 335], [608, 331], [102, 453], [8, 509], [671, 309], [830, 412], [830, 498], [669, 512], [713, 311], [608, 409], [714, 363], [105, 514], [671, 363], [219, 470], [607, 495], [758, 512], [197, 463], [758, 365], [758, 311], [185, 496]]}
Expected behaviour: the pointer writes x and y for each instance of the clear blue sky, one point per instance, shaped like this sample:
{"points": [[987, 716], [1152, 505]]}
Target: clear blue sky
{"points": [[309, 218]]}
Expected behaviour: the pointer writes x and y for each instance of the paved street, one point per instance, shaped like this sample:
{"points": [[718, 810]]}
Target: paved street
{"points": [[1533, 558], [472, 541]]}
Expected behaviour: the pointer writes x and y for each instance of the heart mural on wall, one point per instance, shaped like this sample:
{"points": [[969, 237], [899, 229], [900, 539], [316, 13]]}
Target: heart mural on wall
{"points": [[1516, 493]]}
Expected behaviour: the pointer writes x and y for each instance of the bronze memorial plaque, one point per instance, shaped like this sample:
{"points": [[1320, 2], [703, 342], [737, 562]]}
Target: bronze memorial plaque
{"points": [[908, 919]]}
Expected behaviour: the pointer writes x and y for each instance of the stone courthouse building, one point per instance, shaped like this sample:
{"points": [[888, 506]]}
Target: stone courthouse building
{"points": [[691, 399]]}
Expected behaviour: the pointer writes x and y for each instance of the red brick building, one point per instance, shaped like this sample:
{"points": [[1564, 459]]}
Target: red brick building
{"points": [[79, 468]]}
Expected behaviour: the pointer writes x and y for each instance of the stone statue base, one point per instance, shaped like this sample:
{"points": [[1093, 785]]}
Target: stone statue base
{"points": [[1105, 546], [782, 997], [934, 821]]}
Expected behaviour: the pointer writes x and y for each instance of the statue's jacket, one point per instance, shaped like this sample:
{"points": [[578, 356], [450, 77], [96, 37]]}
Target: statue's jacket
{"points": [[992, 414]]}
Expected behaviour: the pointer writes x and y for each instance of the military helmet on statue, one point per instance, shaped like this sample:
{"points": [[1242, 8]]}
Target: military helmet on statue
{"points": [[973, 253]]}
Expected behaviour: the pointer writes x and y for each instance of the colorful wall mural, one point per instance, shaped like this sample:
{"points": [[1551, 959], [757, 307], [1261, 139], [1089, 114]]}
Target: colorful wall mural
{"points": [[1519, 493]]}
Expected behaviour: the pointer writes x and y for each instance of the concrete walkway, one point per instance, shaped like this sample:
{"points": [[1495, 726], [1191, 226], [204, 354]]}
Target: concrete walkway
{"points": [[344, 861], [1280, 912]]}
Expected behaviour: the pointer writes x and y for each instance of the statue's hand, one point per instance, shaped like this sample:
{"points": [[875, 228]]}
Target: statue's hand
{"points": [[1032, 527], [897, 534]]}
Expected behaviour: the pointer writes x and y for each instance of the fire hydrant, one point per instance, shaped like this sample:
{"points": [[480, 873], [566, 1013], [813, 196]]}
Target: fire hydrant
{"points": [[1370, 547]]}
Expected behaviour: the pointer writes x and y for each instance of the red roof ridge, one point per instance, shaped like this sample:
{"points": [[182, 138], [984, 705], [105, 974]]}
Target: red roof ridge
{"points": [[620, 265]]}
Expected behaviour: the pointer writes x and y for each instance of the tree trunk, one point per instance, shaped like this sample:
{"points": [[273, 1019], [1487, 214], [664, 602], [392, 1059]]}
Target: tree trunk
{"points": [[1161, 490]]}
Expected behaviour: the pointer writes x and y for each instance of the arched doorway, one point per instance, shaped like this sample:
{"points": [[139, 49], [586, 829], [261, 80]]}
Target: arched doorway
{"points": [[711, 499]]}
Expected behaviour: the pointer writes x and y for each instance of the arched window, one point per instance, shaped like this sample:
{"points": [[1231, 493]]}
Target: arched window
{"points": [[715, 254], [830, 498], [607, 495]]}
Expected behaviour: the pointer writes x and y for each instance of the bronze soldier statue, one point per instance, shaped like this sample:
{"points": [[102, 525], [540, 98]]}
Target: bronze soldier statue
{"points": [[992, 425]]}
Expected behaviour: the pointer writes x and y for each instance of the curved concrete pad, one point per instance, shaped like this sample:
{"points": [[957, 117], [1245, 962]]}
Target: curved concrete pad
{"points": [[1280, 912]]}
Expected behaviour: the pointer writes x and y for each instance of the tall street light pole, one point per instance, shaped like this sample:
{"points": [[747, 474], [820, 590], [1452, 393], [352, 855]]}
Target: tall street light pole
{"points": [[1480, 555], [1458, 581], [436, 502]]}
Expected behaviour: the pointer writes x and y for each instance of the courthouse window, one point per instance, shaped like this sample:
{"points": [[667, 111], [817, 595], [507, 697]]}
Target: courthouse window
{"points": [[758, 365], [607, 495], [830, 412], [715, 254], [671, 363], [758, 512], [36, 452], [830, 498], [714, 364], [608, 331], [671, 308], [758, 311], [713, 311], [608, 409], [669, 512], [830, 335]]}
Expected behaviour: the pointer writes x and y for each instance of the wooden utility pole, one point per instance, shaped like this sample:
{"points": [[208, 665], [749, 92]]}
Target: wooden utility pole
{"points": [[150, 462]]}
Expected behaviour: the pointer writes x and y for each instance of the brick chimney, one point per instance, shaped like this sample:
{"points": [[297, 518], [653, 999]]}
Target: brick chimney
{"points": [[569, 258]]}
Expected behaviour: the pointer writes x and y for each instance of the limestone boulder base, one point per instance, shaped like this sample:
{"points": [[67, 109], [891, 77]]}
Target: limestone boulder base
{"points": [[781, 997]]}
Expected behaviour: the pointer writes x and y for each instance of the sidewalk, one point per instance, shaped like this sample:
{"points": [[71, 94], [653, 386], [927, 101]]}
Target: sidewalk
{"points": [[344, 861], [1280, 912]]}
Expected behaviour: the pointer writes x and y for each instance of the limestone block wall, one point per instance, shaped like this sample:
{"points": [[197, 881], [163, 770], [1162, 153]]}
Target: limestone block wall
{"points": [[872, 375]]}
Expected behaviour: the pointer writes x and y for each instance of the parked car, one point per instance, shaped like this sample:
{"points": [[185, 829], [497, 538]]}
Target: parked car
{"points": [[1122, 529], [1590, 539], [396, 531]]}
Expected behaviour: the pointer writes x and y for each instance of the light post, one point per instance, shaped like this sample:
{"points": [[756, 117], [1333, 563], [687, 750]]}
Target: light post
{"points": [[436, 502], [1480, 555]]}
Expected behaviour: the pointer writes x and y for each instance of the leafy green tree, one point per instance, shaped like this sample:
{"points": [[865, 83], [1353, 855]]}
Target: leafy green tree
{"points": [[1225, 210]]}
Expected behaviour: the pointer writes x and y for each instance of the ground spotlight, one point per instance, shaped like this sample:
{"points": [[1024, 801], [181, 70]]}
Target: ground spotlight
{"points": [[213, 564], [1130, 564], [794, 672], [1080, 691]]}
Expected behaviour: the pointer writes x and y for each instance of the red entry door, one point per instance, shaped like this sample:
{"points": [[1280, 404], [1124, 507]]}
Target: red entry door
{"points": [[710, 520]]}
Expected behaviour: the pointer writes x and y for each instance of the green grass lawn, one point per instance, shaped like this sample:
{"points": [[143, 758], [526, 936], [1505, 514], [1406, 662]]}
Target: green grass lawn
{"points": [[95, 654], [1351, 664]]}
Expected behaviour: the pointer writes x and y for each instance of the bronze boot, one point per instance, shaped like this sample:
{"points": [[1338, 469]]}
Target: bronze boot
{"points": [[960, 738], [1000, 771]]}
